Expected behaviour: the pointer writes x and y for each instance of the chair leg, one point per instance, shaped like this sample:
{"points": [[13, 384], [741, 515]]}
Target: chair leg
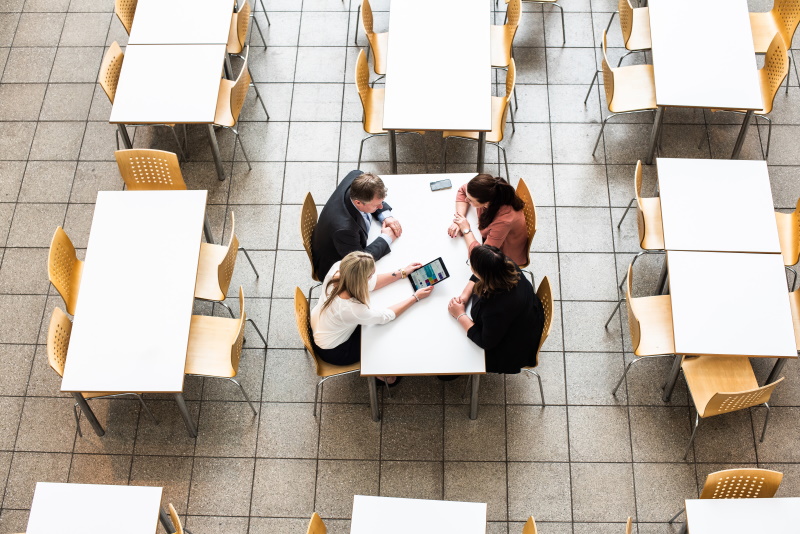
{"points": [[230, 311], [264, 9], [178, 141], [316, 395], [626, 55], [530, 273], [766, 422], [505, 162], [246, 255], [563, 27], [355, 31], [626, 213], [596, 73], [676, 516], [794, 277], [511, 109], [541, 389], [360, 150], [258, 97], [602, 127], [796, 74], [466, 387], [147, 409], [312, 289], [244, 394], [258, 27], [691, 439], [242, 147], [613, 313], [258, 331], [376, 80], [77, 415], [769, 135]]}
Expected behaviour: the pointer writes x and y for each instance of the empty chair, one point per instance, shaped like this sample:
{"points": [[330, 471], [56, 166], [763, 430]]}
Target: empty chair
{"points": [[553, 3], [324, 369], [150, 170], [64, 269], [308, 221], [794, 302], [502, 38], [215, 347], [58, 336], [545, 294], [240, 26], [377, 42], [316, 525], [783, 18], [634, 22], [500, 107], [172, 522], [125, 10], [789, 237], [530, 219]]}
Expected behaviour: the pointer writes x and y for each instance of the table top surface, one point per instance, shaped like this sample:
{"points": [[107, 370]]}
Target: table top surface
{"points": [[438, 67], [93, 509], [181, 22], [425, 340], [168, 84], [134, 308], [703, 54], [730, 304], [743, 516], [717, 205], [390, 515]]}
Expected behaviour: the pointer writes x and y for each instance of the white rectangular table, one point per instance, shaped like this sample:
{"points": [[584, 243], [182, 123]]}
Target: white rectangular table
{"points": [[94, 509], [389, 515], [743, 516], [131, 327], [703, 57], [729, 304], [170, 84], [717, 205], [181, 22], [438, 69], [425, 340]]}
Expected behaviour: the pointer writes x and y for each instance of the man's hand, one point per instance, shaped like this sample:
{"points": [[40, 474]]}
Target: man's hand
{"points": [[388, 231], [394, 224]]}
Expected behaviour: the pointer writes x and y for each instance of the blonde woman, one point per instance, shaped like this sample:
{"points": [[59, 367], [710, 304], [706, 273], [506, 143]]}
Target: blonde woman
{"points": [[344, 306]]}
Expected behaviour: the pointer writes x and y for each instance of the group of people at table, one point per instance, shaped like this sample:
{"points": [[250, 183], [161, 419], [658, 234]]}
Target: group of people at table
{"points": [[506, 318]]}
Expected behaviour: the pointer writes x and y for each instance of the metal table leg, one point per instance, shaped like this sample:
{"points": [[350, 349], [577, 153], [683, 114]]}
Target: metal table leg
{"points": [[393, 151], [737, 148], [777, 369], [481, 153], [207, 230], [373, 398], [212, 140], [669, 385], [662, 279], [473, 397], [98, 428], [651, 150], [187, 418], [123, 134]]}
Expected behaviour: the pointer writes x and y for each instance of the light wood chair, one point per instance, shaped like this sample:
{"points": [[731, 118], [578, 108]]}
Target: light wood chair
{"points": [[263, 9], [58, 335], [171, 521], [64, 269], [545, 294], [240, 26], [500, 108], [789, 237], [324, 369], [308, 222], [371, 104], [529, 527], [629, 526], [635, 25], [628, 89], [316, 525], [215, 347], [794, 302], [720, 385], [125, 10], [650, 324], [502, 39], [378, 43], [530, 220], [783, 18], [553, 3], [150, 170]]}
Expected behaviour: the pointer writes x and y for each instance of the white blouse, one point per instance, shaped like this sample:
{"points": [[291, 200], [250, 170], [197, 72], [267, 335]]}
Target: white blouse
{"points": [[336, 324]]}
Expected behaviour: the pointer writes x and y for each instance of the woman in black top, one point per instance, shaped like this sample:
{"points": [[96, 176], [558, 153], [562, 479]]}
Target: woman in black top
{"points": [[507, 316]]}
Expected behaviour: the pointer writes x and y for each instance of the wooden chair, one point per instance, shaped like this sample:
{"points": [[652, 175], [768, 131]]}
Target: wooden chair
{"points": [[64, 269], [324, 369], [545, 294], [378, 43], [308, 222], [783, 18], [794, 302], [58, 335], [500, 107], [502, 38], [530, 220], [371, 104], [316, 525], [529, 527], [215, 347], [628, 89], [721, 385], [635, 25], [240, 26], [125, 10], [150, 170], [629, 526], [789, 237], [553, 3], [171, 521], [650, 324]]}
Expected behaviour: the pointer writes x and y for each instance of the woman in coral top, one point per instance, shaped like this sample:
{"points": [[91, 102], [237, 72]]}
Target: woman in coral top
{"points": [[501, 220]]}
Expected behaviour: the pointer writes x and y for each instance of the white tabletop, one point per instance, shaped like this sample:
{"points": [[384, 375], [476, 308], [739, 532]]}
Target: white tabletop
{"points": [[134, 308], [730, 304], [389, 515], [425, 340], [717, 205], [438, 67], [743, 516], [93, 509], [168, 84], [181, 22], [703, 54]]}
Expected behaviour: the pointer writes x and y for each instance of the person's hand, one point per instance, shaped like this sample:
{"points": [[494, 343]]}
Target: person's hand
{"points": [[388, 231], [423, 292], [461, 221], [456, 307], [454, 230], [464, 297], [411, 267], [394, 224]]}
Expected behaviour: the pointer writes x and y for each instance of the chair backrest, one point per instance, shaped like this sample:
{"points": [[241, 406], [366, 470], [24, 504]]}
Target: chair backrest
{"points": [[176, 520], [125, 9], [302, 315], [629, 526], [511, 76], [637, 187], [786, 14], [775, 69], [741, 484], [529, 210], [316, 525], [362, 85], [240, 88], [236, 345], [109, 70], [58, 340], [64, 269], [794, 302], [633, 321], [308, 221], [625, 19], [367, 22], [243, 23], [608, 74], [150, 170], [529, 527], [513, 14], [723, 402], [545, 294], [225, 267]]}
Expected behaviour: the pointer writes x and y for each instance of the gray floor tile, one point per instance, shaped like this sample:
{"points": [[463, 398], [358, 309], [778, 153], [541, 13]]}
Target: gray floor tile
{"points": [[290, 377], [481, 439], [478, 482], [588, 276], [21, 314], [589, 504], [47, 181], [171, 472], [85, 29], [661, 488], [38, 29], [11, 173], [539, 489], [78, 64], [28, 468], [119, 418], [65, 102], [226, 429], [659, 434], [338, 481], [412, 433], [287, 430], [57, 140], [100, 469], [21, 101], [537, 434], [599, 434], [412, 480], [10, 420], [16, 275], [338, 441], [284, 488], [15, 139], [44, 428], [31, 65], [221, 486]]}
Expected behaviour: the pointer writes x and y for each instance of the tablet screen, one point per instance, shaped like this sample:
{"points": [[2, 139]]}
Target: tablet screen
{"points": [[429, 274]]}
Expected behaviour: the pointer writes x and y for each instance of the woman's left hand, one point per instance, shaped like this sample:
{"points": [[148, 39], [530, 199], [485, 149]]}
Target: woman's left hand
{"points": [[456, 307], [411, 267], [461, 221]]}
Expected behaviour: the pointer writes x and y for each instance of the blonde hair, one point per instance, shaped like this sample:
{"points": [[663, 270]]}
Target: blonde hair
{"points": [[354, 273]]}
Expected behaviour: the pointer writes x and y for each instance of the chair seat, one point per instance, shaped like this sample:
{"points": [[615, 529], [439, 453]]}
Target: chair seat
{"points": [[764, 29], [495, 135], [634, 89], [640, 30], [655, 319], [207, 285], [787, 235], [209, 351], [325, 369], [501, 39], [234, 46], [653, 228], [223, 116], [708, 375], [794, 301], [379, 42]]}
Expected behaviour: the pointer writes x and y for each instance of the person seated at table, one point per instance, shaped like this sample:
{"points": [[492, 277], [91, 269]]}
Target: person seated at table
{"points": [[343, 225], [501, 220], [507, 318], [344, 306]]}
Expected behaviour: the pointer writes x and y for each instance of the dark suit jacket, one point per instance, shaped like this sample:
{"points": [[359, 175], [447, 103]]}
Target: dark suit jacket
{"points": [[341, 229], [508, 326]]}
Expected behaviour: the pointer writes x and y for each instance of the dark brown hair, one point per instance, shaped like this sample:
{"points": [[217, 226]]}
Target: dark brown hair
{"points": [[497, 272], [497, 192], [366, 187]]}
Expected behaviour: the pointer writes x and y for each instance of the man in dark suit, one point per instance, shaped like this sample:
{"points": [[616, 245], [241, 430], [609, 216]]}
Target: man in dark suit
{"points": [[343, 225]]}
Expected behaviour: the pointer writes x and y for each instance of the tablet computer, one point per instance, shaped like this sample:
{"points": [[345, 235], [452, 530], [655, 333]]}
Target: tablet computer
{"points": [[429, 274]]}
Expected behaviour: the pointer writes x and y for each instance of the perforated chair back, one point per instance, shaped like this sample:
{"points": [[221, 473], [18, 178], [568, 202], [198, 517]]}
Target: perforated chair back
{"points": [[513, 12], [741, 484], [150, 170], [109, 70], [367, 21], [316, 525], [625, 19], [511, 76], [125, 10], [176, 520], [64, 269], [236, 346], [545, 294], [633, 321], [308, 221], [302, 315], [225, 267], [787, 17], [529, 527], [239, 90], [529, 210], [772, 74], [243, 24], [58, 340], [364, 89], [723, 402], [608, 73], [637, 187]]}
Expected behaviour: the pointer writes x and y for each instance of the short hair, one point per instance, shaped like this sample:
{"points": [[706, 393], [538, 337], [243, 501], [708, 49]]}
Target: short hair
{"points": [[366, 187], [497, 273]]}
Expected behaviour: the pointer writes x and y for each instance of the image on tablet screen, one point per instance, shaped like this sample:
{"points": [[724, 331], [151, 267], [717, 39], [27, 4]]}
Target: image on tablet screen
{"points": [[429, 274]]}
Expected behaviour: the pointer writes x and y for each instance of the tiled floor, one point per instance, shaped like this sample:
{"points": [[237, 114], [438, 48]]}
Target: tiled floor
{"points": [[582, 464]]}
